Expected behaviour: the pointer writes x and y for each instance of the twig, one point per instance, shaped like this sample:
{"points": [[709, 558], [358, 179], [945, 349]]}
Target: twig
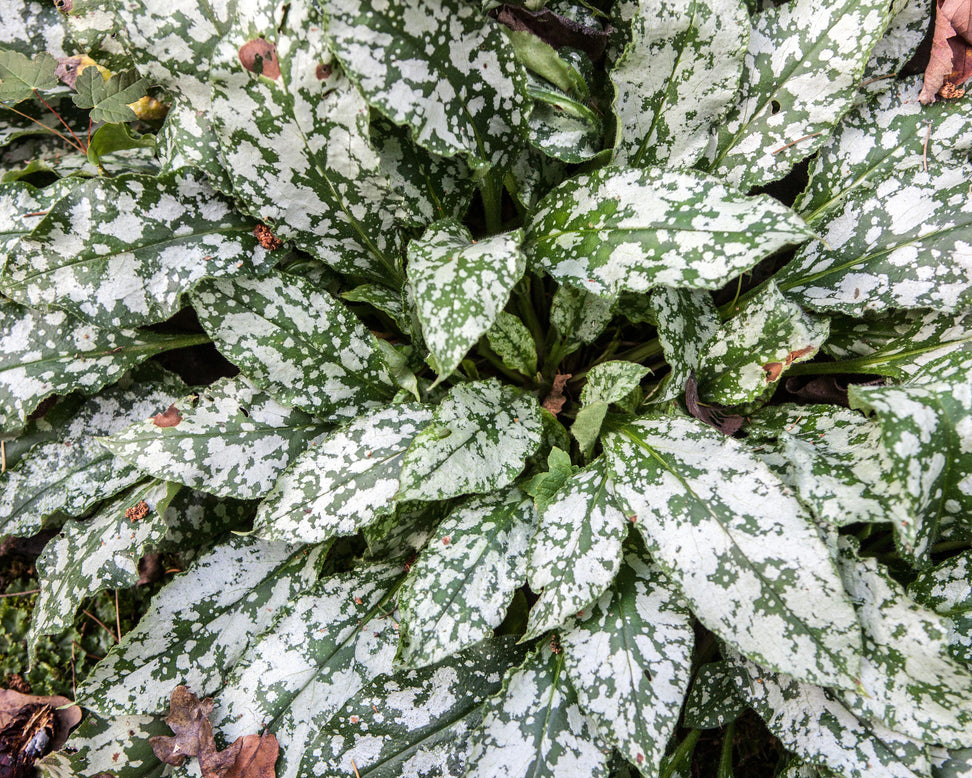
{"points": [[798, 140], [61, 120], [117, 616], [878, 78], [355, 768], [100, 623], [20, 594], [46, 127], [924, 151], [35, 213]]}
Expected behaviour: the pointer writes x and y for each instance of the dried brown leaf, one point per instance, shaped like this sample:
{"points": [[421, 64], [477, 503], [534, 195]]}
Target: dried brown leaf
{"points": [[950, 64], [554, 401], [726, 423], [170, 417], [31, 726]]}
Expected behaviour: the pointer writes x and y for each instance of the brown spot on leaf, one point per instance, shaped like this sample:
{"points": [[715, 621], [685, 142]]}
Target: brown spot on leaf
{"points": [[950, 64], [555, 400], [799, 353], [64, 6], [138, 511], [260, 56], [267, 239], [67, 70], [170, 417], [323, 72], [726, 423], [250, 756], [773, 371]]}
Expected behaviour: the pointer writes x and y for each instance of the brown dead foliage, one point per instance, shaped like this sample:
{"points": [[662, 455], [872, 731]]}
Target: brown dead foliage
{"points": [[950, 64]]}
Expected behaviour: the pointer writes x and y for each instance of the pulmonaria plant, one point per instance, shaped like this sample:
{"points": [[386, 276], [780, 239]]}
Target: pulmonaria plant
{"points": [[508, 391]]}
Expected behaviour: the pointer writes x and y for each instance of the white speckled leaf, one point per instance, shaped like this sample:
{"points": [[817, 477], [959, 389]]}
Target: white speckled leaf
{"points": [[900, 344], [576, 551], [631, 662], [297, 148], [687, 320], [117, 746], [831, 456], [613, 381], [438, 66], [233, 440], [52, 353], [479, 439], [886, 137], [29, 26], [621, 228], [187, 139], [752, 351], [514, 344], [957, 765], [814, 724], [947, 589], [908, 682], [297, 342], [561, 126], [458, 590], [739, 546], [96, 554], [198, 626], [800, 76], [120, 252], [907, 29], [579, 316], [534, 726], [713, 701], [423, 725], [459, 286], [322, 648], [345, 481], [927, 457], [676, 78], [17, 200], [68, 474]]}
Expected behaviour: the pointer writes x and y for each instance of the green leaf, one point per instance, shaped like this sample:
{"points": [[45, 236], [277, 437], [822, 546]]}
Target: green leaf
{"points": [[111, 138], [199, 625], [458, 590], [531, 175], [576, 551], [20, 76], [344, 482], [800, 76], [544, 486], [713, 701], [97, 554], [466, 66], [885, 137], [752, 351], [677, 77], [542, 59], [621, 228], [109, 98], [187, 139], [71, 472], [294, 340], [586, 428], [42, 354], [535, 726], [382, 298], [687, 320], [460, 285], [425, 721], [579, 316], [479, 439], [121, 252], [232, 440], [831, 456], [17, 200], [281, 152], [631, 662], [908, 681], [27, 26], [926, 436], [509, 337], [561, 126], [947, 589], [116, 746], [612, 382], [958, 765], [814, 724], [740, 547]]}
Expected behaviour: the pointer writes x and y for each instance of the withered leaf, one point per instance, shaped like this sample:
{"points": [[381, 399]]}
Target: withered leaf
{"points": [[726, 423], [260, 56], [251, 756], [31, 726], [554, 401], [168, 418], [554, 29], [950, 64]]}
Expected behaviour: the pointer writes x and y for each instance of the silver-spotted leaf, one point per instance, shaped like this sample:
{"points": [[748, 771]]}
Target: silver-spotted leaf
{"points": [[458, 589], [687, 319], [947, 589], [738, 545], [713, 700], [612, 381], [627, 229], [512, 341]]}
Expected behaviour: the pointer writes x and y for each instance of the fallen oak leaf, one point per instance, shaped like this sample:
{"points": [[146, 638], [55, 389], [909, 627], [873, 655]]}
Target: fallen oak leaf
{"points": [[250, 756], [950, 64]]}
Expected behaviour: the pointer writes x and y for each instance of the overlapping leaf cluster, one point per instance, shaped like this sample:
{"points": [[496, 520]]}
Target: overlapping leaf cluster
{"points": [[495, 282]]}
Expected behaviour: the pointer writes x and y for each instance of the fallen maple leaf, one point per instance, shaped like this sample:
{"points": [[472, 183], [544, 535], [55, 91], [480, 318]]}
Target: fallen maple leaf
{"points": [[554, 402], [251, 756], [31, 726], [950, 64]]}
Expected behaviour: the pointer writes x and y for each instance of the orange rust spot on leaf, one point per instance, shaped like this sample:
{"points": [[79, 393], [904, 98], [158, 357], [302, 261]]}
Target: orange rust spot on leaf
{"points": [[260, 56]]}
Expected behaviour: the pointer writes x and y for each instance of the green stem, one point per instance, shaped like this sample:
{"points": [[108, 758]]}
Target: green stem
{"points": [[487, 353], [491, 190], [725, 759], [185, 341], [861, 365], [682, 755], [647, 350]]}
